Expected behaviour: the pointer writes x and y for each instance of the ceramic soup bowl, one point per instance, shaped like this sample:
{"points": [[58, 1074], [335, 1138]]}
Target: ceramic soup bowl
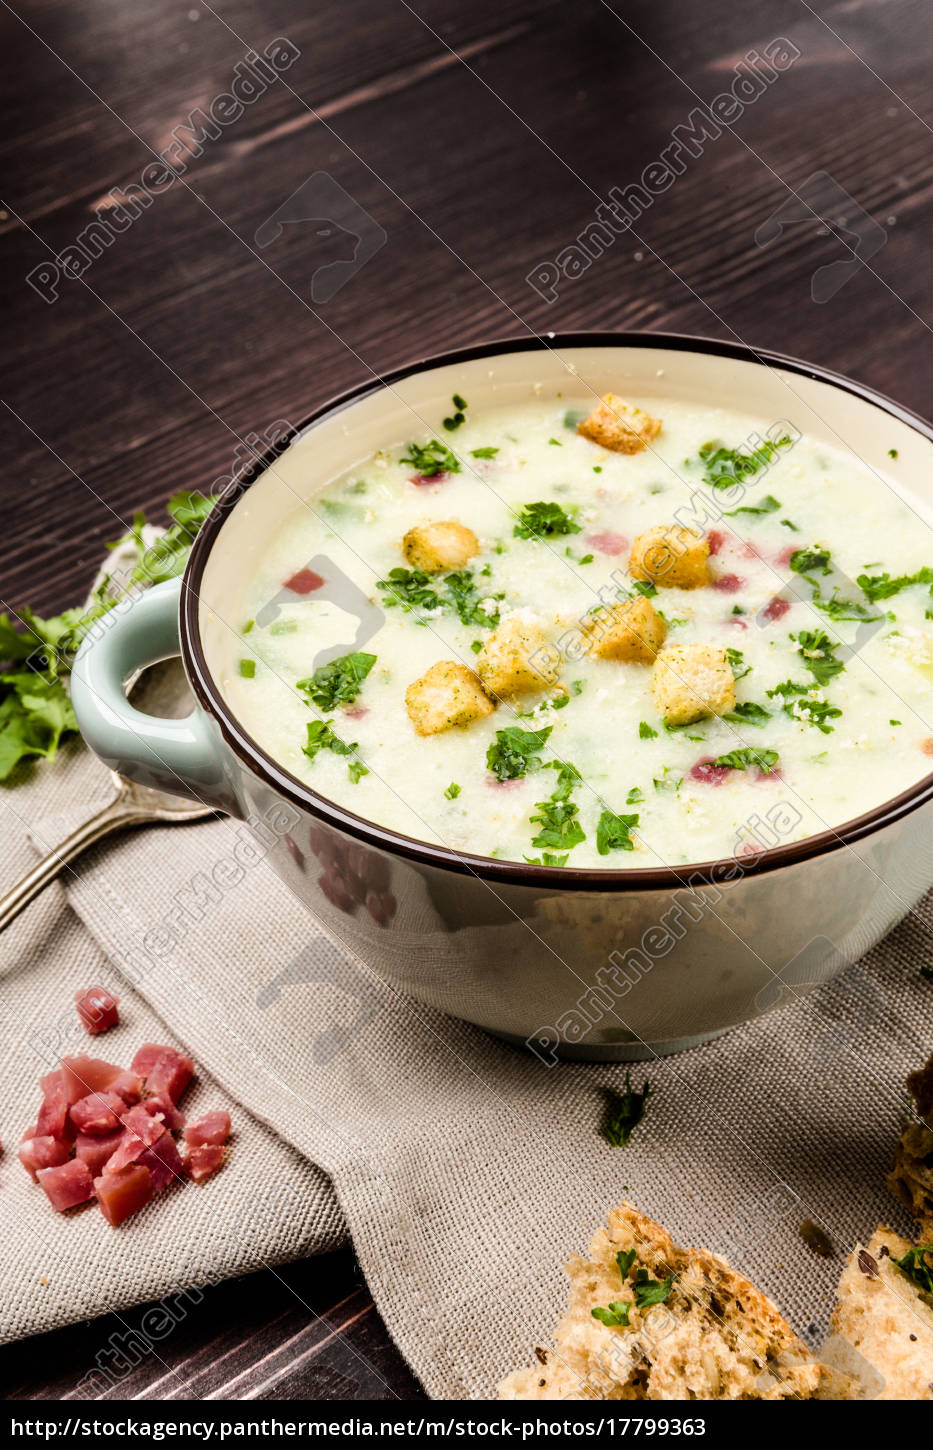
{"points": [[596, 964]]}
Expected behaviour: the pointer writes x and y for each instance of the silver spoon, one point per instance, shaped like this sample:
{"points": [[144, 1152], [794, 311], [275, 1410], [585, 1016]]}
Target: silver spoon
{"points": [[160, 690]]}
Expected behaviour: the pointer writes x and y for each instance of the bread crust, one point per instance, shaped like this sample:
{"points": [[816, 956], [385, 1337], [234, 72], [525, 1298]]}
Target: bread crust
{"points": [[619, 426]]}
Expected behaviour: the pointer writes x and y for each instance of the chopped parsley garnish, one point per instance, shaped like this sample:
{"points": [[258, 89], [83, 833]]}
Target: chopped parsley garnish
{"points": [[624, 1111], [786, 524], [895, 722], [515, 751], [817, 651], [882, 586], [744, 759], [248, 626], [737, 663], [339, 682], [644, 588], [248, 669], [459, 416], [613, 833], [432, 458], [635, 796], [483, 452], [892, 452], [573, 417], [917, 1269], [798, 707], [645, 731], [410, 589], [748, 714], [476, 645], [322, 737], [452, 791], [725, 467], [808, 561], [544, 521], [555, 443], [667, 783], [557, 816], [650, 1291], [35, 709], [624, 1262], [768, 505], [466, 600], [616, 1316]]}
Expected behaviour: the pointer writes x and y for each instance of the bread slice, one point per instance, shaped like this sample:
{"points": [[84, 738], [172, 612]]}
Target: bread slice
{"points": [[887, 1317], [911, 1178], [709, 1335]]}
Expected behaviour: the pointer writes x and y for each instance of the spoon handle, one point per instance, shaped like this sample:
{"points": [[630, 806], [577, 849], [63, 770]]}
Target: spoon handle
{"points": [[114, 817]]}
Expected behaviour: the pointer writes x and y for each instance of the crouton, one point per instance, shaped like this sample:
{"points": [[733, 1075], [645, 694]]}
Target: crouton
{"points": [[631, 630], [444, 545], [618, 425], [518, 657], [448, 694], [713, 1336], [911, 1178], [692, 680], [672, 557], [885, 1316]]}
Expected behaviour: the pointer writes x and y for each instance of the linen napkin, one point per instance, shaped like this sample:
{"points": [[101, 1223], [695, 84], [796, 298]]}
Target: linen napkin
{"points": [[464, 1169]]}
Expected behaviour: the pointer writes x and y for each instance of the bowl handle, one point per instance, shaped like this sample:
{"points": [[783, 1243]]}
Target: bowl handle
{"points": [[179, 756]]}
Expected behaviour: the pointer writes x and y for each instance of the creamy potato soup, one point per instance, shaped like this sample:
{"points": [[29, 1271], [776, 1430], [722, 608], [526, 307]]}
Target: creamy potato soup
{"points": [[633, 634]]}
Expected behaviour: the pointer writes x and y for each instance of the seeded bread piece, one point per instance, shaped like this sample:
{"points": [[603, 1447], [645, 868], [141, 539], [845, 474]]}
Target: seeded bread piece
{"points": [[715, 1336], [887, 1318], [911, 1178]]}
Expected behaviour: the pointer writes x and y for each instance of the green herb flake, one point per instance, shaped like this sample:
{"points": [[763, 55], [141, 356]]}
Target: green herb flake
{"points": [[645, 731], [635, 796], [817, 651], [544, 521], [338, 683], [737, 663], [915, 1266], [432, 458], [515, 751], [892, 452], [725, 467], [616, 1316], [483, 452], [748, 714], [452, 791], [768, 505], [650, 1291], [624, 1111], [247, 669], [764, 760], [613, 833]]}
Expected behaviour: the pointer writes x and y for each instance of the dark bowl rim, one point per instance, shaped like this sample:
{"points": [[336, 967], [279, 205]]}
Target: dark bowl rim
{"points": [[488, 868]]}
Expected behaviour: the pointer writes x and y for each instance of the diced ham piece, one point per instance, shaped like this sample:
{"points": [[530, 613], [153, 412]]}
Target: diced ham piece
{"points": [[129, 1086], [709, 773], [163, 1162], [728, 583], [67, 1185], [715, 538], [53, 1114], [162, 1106], [97, 1009], [775, 609], [171, 1075], [422, 480], [124, 1193], [304, 582], [42, 1152], [140, 1132], [202, 1162], [97, 1152], [83, 1075], [164, 1069], [212, 1128], [608, 543], [98, 1113]]}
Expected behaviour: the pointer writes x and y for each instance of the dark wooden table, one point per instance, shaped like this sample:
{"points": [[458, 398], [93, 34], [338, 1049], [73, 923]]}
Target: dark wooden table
{"points": [[479, 139]]}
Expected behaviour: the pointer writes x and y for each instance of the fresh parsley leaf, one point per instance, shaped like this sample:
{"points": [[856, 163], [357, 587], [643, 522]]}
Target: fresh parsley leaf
{"points": [[557, 816], [432, 458], [483, 452], [410, 589], [725, 467], [248, 669], [644, 588], [917, 1269], [634, 797], [356, 769], [650, 1291], [768, 505], [339, 682], [882, 586], [748, 714], [515, 751], [452, 791], [817, 651], [616, 1316], [645, 731], [624, 1262], [573, 417], [765, 760], [465, 599], [613, 833], [809, 561], [737, 662], [322, 737], [459, 416], [544, 521], [624, 1111]]}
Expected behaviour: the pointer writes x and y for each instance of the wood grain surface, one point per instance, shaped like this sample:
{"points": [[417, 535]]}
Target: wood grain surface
{"points": [[479, 138]]}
